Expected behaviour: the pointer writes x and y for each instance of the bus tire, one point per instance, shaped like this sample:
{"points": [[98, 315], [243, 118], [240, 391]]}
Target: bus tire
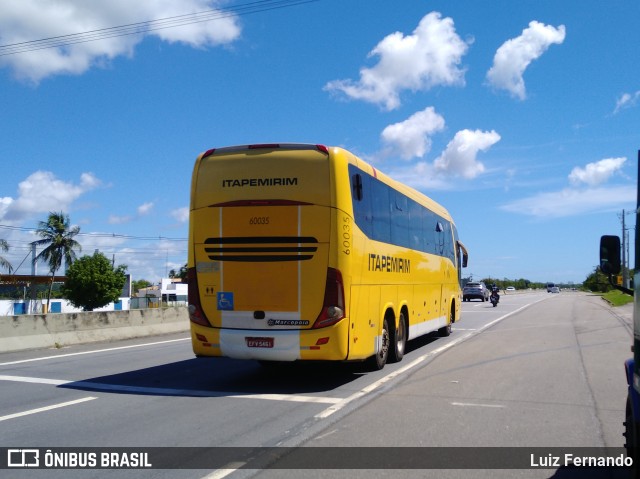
{"points": [[445, 331], [378, 360], [631, 435], [399, 340]]}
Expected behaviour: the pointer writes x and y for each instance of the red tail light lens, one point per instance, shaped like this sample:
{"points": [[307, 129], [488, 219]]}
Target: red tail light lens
{"points": [[333, 305], [196, 314]]}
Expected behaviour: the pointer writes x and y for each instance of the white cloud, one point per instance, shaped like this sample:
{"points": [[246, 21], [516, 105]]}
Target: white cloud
{"points": [[460, 156], [410, 138], [515, 55], [29, 20], [142, 210], [42, 192], [627, 100], [429, 57], [145, 209], [573, 201], [5, 204], [422, 176], [181, 214], [119, 220], [596, 173]]}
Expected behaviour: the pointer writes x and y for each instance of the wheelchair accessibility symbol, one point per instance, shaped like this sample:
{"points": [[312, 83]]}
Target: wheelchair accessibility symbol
{"points": [[225, 301]]}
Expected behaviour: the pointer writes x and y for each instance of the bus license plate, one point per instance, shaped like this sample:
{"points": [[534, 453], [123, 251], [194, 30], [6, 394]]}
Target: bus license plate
{"points": [[259, 342]]}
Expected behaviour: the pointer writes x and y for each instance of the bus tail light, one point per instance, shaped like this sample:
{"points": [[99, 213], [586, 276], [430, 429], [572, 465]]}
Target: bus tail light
{"points": [[333, 305], [196, 314]]}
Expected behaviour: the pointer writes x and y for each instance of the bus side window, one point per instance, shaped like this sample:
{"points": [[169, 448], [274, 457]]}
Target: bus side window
{"points": [[448, 242], [361, 200], [428, 233], [357, 187], [381, 209], [415, 227], [400, 220], [439, 238]]}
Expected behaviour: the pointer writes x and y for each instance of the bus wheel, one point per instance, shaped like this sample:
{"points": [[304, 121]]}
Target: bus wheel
{"points": [[378, 360], [399, 340], [445, 331], [631, 433]]}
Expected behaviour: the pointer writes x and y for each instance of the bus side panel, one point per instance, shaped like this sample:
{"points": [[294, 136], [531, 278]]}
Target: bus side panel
{"points": [[404, 298], [364, 321], [326, 344], [452, 293]]}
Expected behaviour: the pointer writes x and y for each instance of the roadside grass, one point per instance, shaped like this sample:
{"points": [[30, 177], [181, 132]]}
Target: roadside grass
{"points": [[617, 298]]}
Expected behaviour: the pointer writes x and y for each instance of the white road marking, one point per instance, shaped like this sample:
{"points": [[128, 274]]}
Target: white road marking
{"points": [[169, 391], [23, 379], [46, 408], [220, 473], [416, 362], [466, 404], [93, 352], [480, 311]]}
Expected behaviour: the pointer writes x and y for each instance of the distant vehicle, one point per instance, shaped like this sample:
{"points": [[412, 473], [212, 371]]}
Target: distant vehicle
{"points": [[510, 288], [475, 290], [554, 289], [550, 286]]}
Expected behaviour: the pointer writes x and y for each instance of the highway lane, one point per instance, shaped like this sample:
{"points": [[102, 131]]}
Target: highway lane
{"points": [[550, 375], [153, 392]]}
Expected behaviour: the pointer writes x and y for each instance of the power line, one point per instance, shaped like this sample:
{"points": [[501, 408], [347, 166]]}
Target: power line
{"points": [[147, 26], [102, 235]]}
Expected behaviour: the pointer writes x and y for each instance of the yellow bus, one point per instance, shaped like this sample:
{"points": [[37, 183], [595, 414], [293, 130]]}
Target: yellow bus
{"points": [[306, 252]]}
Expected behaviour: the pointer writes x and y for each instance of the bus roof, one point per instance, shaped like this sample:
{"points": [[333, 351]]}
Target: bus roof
{"points": [[362, 164]]}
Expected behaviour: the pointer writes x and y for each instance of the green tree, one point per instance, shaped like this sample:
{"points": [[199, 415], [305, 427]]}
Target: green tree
{"points": [[93, 282], [57, 238], [182, 274], [597, 281], [139, 284], [4, 246]]}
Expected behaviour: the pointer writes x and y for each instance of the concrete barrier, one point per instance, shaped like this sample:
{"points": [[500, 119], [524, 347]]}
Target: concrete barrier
{"points": [[37, 331]]}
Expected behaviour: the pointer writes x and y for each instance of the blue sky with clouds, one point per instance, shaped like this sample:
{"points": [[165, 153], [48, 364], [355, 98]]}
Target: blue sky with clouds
{"points": [[523, 119]]}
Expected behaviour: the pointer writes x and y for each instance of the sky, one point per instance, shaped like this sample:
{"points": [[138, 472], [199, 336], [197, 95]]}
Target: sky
{"points": [[521, 118]]}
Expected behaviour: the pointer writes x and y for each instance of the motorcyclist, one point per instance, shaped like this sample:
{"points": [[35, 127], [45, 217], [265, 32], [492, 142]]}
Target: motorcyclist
{"points": [[495, 291]]}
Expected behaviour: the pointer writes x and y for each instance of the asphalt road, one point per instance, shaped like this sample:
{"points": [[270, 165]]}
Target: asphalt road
{"points": [[540, 370]]}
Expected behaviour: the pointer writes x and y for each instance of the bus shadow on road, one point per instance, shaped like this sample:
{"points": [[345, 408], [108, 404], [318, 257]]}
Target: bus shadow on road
{"points": [[421, 342], [220, 377]]}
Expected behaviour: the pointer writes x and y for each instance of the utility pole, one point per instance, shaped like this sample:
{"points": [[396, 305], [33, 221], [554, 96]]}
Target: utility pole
{"points": [[34, 265], [34, 271], [625, 273]]}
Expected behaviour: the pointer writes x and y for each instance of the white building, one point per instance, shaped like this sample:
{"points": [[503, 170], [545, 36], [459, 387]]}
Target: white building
{"points": [[170, 291]]}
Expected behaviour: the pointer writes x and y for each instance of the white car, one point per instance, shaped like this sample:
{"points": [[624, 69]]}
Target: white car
{"points": [[510, 288]]}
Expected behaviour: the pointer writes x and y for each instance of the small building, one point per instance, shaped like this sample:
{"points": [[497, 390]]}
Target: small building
{"points": [[170, 292]]}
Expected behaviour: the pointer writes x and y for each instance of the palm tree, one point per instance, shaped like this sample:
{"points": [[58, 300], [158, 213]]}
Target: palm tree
{"points": [[57, 238], [4, 246]]}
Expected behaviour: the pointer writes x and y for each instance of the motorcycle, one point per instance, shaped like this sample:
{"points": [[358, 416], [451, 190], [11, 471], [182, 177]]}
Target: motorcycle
{"points": [[494, 298]]}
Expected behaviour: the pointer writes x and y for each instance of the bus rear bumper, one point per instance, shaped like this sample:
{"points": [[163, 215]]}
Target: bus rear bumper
{"points": [[325, 344]]}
